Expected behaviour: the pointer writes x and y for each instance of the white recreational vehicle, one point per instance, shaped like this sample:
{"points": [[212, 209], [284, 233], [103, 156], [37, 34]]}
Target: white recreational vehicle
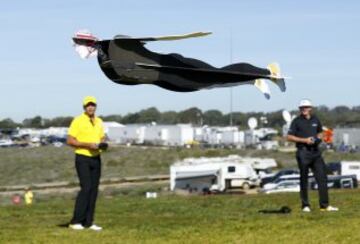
{"points": [[345, 168], [262, 166], [214, 174], [212, 177], [350, 168]]}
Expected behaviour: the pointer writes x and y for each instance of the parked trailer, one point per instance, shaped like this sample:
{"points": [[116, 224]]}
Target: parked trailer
{"points": [[345, 168], [217, 174], [262, 166], [350, 167], [212, 177]]}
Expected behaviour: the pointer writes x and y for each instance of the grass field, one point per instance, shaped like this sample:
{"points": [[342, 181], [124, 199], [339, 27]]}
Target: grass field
{"points": [[130, 218], [20, 166], [191, 219]]}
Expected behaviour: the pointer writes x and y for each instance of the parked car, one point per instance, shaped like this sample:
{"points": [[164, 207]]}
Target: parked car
{"points": [[338, 182], [278, 175], [286, 178], [6, 143], [333, 168], [285, 186]]}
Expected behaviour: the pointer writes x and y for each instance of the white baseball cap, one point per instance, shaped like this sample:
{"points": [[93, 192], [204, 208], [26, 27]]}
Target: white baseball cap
{"points": [[305, 103]]}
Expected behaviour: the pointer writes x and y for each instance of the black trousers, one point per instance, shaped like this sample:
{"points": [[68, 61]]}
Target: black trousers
{"points": [[88, 170], [312, 160]]}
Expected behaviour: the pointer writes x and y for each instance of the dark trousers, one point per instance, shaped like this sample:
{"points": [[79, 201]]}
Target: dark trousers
{"points": [[312, 160], [88, 170]]}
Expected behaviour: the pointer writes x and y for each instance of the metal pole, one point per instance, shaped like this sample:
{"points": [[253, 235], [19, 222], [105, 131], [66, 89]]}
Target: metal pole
{"points": [[231, 89]]}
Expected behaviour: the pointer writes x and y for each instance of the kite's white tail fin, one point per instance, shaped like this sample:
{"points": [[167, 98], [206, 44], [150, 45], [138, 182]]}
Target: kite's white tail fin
{"points": [[263, 87], [276, 77]]}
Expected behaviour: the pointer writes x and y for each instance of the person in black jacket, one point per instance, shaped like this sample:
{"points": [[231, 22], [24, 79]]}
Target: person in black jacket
{"points": [[306, 131]]}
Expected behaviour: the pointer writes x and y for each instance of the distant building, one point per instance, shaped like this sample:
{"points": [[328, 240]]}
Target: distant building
{"points": [[229, 135], [111, 124], [169, 135], [132, 133], [262, 138], [164, 135], [347, 137], [51, 131], [186, 134]]}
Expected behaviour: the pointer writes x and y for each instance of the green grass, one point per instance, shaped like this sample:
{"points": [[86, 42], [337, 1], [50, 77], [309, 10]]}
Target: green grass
{"points": [[20, 166], [192, 219], [130, 218]]}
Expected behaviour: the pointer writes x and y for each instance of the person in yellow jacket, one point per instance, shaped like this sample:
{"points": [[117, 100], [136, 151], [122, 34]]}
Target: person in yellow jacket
{"points": [[86, 136], [28, 196]]}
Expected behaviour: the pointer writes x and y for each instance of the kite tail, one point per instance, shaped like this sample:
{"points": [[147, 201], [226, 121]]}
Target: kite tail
{"points": [[262, 86], [276, 77]]}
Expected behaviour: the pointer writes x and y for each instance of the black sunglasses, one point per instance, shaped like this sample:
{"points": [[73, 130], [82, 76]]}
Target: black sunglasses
{"points": [[90, 104]]}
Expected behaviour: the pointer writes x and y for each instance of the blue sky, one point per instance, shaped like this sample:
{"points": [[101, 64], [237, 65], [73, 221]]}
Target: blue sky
{"points": [[316, 42]]}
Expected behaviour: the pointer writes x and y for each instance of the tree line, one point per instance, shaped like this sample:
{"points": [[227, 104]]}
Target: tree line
{"points": [[340, 116]]}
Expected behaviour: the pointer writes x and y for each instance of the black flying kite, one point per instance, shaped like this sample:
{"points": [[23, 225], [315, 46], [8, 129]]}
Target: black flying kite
{"points": [[126, 61]]}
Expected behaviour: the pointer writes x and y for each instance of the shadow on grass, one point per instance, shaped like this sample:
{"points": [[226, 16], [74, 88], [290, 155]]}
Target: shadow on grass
{"points": [[64, 225], [282, 210]]}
